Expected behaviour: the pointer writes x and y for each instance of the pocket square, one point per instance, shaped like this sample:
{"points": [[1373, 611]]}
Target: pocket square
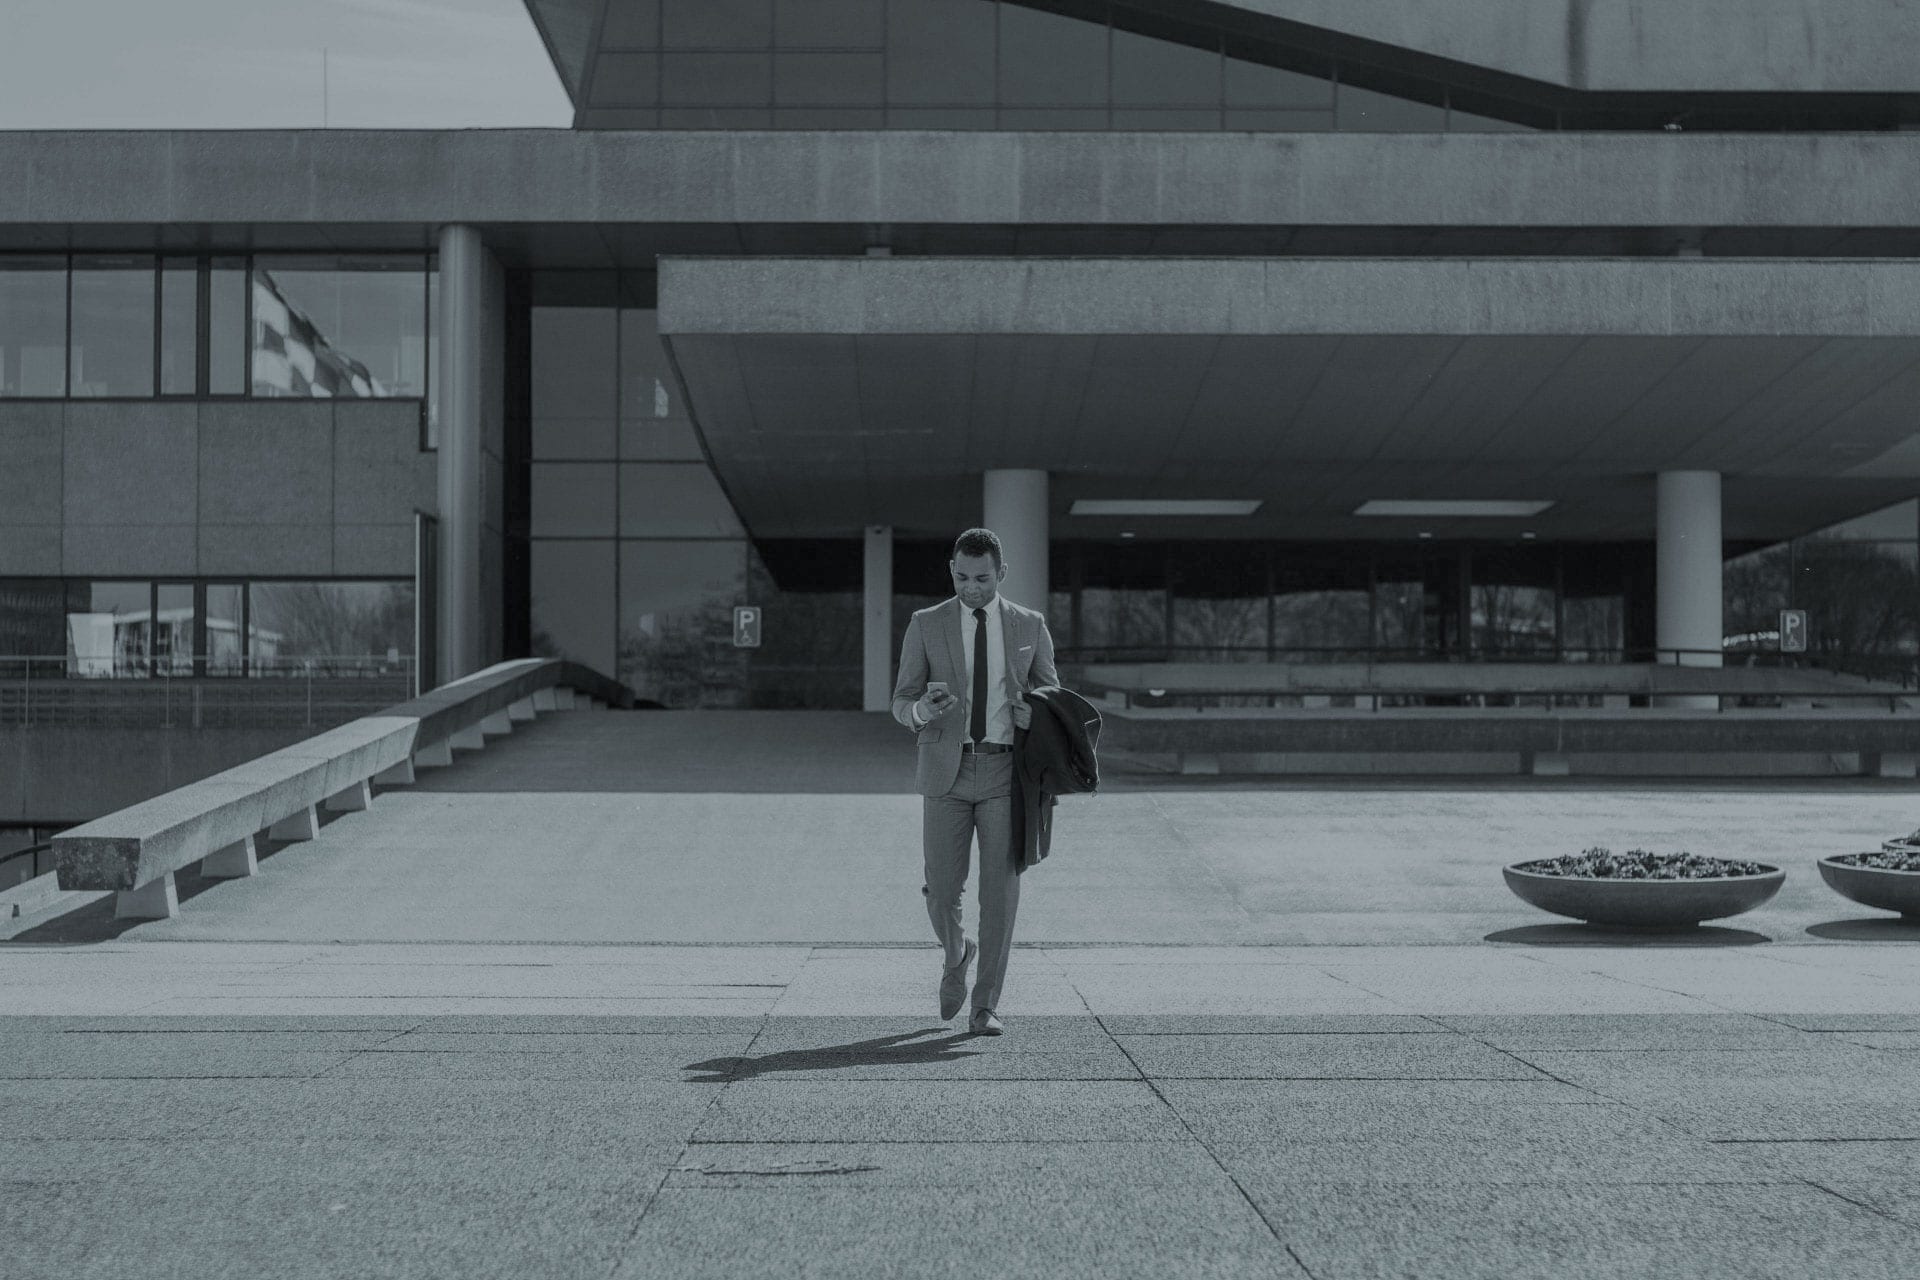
{"points": [[1025, 647]]}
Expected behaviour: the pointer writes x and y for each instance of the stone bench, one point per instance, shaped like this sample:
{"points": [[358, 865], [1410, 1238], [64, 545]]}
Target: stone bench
{"points": [[215, 822]]}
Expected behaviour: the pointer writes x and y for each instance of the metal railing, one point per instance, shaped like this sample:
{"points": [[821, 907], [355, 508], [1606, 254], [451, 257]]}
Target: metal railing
{"points": [[199, 691]]}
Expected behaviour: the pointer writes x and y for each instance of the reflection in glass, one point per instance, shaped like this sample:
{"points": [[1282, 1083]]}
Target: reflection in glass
{"points": [[1320, 606], [112, 327], [717, 24], [1862, 601], [1593, 628], [575, 361], [33, 326], [573, 601], [172, 638], [340, 628], [676, 621], [674, 500], [339, 327], [811, 594], [227, 327], [571, 499], [1219, 603], [1511, 604], [32, 623], [940, 52], [1159, 73], [179, 327], [1051, 60], [107, 628], [224, 621]]}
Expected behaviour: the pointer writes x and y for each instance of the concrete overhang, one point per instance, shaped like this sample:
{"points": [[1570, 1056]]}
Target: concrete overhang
{"points": [[526, 186], [838, 393]]}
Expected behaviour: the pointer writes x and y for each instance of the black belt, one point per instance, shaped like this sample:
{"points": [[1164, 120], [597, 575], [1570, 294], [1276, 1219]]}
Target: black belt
{"points": [[984, 748]]}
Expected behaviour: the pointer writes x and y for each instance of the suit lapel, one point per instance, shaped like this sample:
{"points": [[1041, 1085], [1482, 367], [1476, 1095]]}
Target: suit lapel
{"points": [[1010, 633], [955, 653]]}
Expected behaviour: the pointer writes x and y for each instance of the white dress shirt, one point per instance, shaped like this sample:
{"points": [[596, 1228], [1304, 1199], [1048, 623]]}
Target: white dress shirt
{"points": [[999, 711]]}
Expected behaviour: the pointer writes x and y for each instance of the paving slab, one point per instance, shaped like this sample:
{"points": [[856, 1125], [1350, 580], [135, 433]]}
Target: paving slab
{"points": [[1464, 1231], [1322, 1057], [1646, 1032], [775, 1110], [799, 1165], [1021, 1229]]}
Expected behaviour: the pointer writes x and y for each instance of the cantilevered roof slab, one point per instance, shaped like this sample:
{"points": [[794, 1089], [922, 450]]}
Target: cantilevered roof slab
{"points": [[837, 393]]}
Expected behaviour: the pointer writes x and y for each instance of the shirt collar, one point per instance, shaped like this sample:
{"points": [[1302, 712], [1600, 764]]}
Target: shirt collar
{"points": [[992, 607]]}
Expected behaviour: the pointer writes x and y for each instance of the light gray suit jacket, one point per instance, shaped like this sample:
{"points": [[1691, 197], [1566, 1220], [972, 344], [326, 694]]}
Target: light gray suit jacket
{"points": [[932, 650]]}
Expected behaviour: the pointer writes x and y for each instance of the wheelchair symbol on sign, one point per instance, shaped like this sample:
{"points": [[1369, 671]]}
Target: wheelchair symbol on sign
{"points": [[746, 627], [1793, 631]]}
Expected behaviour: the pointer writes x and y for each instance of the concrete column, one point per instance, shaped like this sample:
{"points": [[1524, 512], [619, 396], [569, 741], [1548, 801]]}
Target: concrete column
{"points": [[1015, 507], [459, 316], [1687, 565], [877, 619]]}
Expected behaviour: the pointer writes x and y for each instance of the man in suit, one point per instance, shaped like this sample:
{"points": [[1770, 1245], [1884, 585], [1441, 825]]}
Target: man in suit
{"points": [[965, 666]]}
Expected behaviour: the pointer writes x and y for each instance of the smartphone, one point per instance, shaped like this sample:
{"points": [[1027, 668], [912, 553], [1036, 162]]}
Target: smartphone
{"points": [[939, 686]]}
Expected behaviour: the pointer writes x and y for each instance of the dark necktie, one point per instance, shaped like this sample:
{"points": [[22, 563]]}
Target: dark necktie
{"points": [[978, 725]]}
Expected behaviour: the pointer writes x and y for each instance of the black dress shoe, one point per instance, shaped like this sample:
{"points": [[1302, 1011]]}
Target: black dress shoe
{"points": [[953, 984], [985, 1023]]}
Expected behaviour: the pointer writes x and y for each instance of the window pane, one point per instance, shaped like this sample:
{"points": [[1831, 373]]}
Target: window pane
{"points": [[1159, 73], [1862, 601], [227, 328], [574, 358], [1280, 121], [626, 79], [717, 24], [828, 24], [1899, 522], [173, 629], [1320, 608], [572, 590], [940, 52], [853, 79], [717, 118], [1166, 118], [112, 327], [33, 327], [32, 618], [571, 499], [1049, 60], [223, 628], [676, 621], [179, 327], [1255, 84], [632, 24], [1364, 111], [1219, 603], [653, 421], [829, 118], [674, 500], [1512, 602], [335, 627], [337, 327], [107, 628], [715, 79]]}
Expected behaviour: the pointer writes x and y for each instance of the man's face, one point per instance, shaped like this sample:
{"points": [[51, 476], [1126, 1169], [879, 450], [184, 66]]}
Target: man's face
{"points": [[975, 580]]}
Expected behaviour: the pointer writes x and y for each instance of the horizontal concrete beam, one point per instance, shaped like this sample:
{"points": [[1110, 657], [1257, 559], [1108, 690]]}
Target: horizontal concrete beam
{"points": [[402, 178], [1691, 297]]}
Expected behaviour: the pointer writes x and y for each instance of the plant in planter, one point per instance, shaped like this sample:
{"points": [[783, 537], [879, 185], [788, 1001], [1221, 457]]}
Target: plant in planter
{"points": [[1639, 889], [1889, 879], [1908, 844]]}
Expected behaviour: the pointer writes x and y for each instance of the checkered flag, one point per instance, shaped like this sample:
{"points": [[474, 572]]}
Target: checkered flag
{"points": [[291, 357]]}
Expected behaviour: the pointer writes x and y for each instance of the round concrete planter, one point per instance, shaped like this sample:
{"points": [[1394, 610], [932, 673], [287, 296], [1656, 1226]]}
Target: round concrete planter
{"points": [[1901, 845], [1874, 886], [1644, 904]]}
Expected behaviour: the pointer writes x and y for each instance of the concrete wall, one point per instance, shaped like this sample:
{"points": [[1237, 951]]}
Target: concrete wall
{"points": [[1767, 46], [53, 776], [411, 180], [255, 488]]}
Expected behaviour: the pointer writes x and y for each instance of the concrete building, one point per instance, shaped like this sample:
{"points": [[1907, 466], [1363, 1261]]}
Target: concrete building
{"points": [[1275, 331]]}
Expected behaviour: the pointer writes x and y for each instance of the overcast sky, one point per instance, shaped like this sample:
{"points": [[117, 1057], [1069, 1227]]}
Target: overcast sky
{"points": [[257, 64]]}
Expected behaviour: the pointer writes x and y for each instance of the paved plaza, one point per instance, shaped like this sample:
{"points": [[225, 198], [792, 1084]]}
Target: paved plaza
{"points": [[650, 995]]}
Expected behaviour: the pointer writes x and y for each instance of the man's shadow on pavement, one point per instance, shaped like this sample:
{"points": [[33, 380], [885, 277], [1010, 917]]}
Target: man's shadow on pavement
{"points": [[883, 1051]]}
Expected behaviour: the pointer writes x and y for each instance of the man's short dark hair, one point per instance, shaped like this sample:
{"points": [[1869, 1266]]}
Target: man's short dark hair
{"points": [[979, 542]]}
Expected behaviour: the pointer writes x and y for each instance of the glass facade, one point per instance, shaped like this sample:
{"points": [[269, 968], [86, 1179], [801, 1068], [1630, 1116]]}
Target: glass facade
{"points": [[985, 64], [33, 326], [102, 629], [136, 326]]}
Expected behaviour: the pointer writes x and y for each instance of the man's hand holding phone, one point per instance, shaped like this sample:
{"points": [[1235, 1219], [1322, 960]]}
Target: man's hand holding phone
{"points": [[936, 701]]}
